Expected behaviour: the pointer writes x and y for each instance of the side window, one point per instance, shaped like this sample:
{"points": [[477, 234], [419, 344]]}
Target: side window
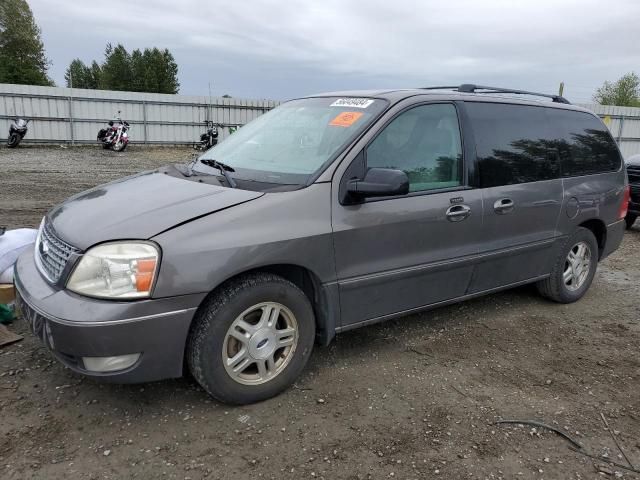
{"points": [[587, 143], [425, 143], [514, 143]]}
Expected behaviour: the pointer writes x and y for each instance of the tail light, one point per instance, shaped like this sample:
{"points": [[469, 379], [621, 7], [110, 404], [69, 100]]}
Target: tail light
{"points": [[624, 206]]}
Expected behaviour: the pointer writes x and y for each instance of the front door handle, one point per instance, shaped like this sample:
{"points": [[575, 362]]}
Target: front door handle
{"points": [[504, 205], [457, 213]]}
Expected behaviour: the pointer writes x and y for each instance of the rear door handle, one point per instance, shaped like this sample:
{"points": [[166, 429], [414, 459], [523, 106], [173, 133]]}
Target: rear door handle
{"points": [[457, 213], [504, 205]]}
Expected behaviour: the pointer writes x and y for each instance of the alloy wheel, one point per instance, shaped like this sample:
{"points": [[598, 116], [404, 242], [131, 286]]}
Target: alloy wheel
{"points": [[260, 343], [577, 265]]}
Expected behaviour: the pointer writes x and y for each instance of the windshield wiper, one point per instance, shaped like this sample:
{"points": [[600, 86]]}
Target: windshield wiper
{"points": [[224, 169]]}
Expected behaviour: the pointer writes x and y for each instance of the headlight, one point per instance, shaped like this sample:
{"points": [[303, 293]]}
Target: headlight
{"points": [[116, 270]]}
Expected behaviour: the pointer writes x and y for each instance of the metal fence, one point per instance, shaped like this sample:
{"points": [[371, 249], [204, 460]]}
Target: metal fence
{"points": [[64, 115]]}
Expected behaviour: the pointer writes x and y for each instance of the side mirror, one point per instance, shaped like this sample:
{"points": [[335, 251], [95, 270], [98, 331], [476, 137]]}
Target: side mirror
{"points": [[379, 182]]}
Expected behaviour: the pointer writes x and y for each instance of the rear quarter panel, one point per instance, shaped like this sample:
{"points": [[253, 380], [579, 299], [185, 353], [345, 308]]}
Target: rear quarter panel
{"points": [[591, 197]]}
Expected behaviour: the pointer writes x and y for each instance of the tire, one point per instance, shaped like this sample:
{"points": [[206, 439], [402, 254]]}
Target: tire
{"points": [[13, 141], [630, 220], [210, 345], [119, 147], [106, 146], [555, 287]]}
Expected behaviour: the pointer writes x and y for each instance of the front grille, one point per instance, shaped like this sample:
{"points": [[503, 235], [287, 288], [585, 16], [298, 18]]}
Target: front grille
{"points": [[634, 174], [53, 253]]}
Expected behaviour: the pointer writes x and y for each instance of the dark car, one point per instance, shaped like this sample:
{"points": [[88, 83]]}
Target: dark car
{"points": [[328, 213], [633, 171]]}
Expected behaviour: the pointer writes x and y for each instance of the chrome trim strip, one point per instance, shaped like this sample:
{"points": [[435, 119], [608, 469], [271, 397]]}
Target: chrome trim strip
{"points": [[73, 323]]}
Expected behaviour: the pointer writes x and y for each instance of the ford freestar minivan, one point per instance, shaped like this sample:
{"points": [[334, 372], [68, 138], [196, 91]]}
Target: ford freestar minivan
{"points": [[325, 214]]}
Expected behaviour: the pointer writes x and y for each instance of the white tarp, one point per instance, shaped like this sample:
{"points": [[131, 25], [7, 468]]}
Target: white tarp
{"points": [[12, 244]]}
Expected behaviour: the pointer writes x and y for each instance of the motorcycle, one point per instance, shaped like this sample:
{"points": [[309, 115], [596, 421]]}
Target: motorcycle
{"points": [[115, 136], [17, 131], [208, 139]]}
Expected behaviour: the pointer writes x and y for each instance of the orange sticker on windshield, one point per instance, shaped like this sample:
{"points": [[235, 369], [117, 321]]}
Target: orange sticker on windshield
{"points": [[346, 119]]}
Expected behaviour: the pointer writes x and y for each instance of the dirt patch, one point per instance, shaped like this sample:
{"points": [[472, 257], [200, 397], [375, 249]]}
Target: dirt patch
{"points": [[415, 397]]}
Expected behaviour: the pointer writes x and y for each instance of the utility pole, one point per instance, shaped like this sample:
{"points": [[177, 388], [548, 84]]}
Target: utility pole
{"points": [[210, 109], [71, 107]]}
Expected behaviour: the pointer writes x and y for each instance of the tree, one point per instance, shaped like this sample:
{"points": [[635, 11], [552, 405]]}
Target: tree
{"points": [[77, 75], [138, 73], [160, 71], [623, 92], [22, 56], [116, 69], [151, 70], [96, 75]]}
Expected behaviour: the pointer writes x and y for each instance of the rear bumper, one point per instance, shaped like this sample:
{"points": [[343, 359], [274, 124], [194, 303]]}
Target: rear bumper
{"points": [[615, 232], [73, 327]]}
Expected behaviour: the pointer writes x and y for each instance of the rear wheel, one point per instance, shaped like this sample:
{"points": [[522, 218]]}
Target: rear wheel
{"points": [[251, 339], [574, 269], [630, 219]]}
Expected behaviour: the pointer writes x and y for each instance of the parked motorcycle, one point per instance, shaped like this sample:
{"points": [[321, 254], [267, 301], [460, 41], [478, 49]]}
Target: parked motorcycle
{"points": [[115, 136], [17, 131], [208, 139]]}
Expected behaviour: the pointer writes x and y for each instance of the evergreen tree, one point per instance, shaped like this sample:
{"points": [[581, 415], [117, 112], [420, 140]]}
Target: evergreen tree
{"points": [[116, 69], [151, 70], [96, 75], [138, 74], [22, 56], [169, 83], [78, 75]]}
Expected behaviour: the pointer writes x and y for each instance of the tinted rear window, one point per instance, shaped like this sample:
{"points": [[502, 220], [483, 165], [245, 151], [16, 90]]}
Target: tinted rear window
{"points": [[512, 143], [520, 144], [586, 146]]}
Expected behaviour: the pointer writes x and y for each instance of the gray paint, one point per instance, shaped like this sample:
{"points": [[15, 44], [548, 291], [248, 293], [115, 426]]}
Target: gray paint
{"points": [[366, 262], [139, 206]]}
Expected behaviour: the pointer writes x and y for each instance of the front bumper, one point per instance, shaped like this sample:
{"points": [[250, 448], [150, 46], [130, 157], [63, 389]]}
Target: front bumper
{"points": [[73, 326]]}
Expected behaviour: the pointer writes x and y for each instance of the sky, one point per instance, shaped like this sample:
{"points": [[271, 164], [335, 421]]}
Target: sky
{"points": [[286, 49]]}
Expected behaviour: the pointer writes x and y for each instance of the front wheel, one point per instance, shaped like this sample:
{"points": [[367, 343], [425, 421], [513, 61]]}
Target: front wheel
{"points": [[630, 219], [251, 339], [573, 270], [14, 140], [119, 146]]}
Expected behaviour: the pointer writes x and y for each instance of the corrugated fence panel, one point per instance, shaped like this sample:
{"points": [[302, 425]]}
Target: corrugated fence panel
{"points": [[179, 119], [154, 118]]}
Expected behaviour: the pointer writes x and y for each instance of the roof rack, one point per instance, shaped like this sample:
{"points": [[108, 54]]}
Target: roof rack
{"points": [[470, 88]]}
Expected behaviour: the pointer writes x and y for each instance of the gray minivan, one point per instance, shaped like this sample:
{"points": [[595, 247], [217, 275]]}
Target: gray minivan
{"points": [[328, 213]]}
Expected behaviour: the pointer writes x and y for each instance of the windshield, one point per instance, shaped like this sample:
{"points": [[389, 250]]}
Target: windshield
{"points": [[292, 142]]}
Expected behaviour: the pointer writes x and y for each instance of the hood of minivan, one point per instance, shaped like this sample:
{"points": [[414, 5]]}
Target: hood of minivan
{"points": [[139, 207]]}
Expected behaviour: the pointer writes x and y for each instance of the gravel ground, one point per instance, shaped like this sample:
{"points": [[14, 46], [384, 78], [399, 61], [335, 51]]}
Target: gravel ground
{"points": [[415, 397]]}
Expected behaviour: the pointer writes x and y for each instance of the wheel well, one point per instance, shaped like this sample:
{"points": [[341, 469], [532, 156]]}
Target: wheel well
{"points": [[311, 285], [599, 230]]}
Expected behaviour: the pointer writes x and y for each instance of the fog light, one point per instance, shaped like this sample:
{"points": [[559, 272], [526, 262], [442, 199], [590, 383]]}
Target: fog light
{"points": [[110, 364]]}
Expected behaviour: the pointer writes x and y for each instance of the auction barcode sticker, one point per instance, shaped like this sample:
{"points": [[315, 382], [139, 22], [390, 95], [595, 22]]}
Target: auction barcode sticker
{"points": [[352, 102]]}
